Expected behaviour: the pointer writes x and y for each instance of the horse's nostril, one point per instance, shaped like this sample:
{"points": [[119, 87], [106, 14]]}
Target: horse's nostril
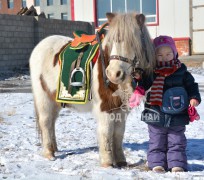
{"points": [[118, 74]]}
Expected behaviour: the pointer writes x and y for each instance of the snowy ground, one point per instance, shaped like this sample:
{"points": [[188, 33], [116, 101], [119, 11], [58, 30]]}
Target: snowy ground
{"points": [[76, 134]]}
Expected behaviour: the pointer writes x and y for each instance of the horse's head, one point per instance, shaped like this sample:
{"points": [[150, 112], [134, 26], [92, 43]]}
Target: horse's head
{"points": [[129, 46]]}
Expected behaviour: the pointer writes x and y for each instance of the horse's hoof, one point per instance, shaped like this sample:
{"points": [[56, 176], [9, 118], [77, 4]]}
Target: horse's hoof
{"points": [[49, 157], [52, 158], [121, 164], [106, 165]]}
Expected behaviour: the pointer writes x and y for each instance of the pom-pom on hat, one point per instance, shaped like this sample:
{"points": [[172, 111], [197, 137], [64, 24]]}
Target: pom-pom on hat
{"points": [[165, 41]]}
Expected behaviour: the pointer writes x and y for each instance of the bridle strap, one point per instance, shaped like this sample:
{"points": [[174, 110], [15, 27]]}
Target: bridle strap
{"points": [[143, 43], [120, 58], [134, 62], [106, 82]]}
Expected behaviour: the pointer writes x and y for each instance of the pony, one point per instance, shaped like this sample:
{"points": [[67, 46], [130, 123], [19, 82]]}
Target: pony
{"points": [[126, 46]]}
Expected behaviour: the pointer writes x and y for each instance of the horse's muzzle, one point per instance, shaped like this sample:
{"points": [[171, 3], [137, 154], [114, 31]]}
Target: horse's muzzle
{"points": [[116, 77]]}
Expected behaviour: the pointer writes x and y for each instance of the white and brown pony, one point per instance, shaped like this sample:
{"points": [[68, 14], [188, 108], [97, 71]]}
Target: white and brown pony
{"points": [[126, 45]]}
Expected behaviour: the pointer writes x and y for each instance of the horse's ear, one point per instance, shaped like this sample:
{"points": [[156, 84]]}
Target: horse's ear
{"points": [[140, 19], [110, 16]]}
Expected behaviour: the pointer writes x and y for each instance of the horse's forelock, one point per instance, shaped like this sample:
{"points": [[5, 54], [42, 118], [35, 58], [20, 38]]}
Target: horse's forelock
{"points": [[124, 28]]}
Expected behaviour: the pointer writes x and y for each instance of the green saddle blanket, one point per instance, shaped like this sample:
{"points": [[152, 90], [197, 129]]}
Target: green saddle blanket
{"points": [[75, 73]]}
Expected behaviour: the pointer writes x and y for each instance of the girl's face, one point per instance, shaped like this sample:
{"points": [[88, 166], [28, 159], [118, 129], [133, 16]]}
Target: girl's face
{"points": [[164, 53]]}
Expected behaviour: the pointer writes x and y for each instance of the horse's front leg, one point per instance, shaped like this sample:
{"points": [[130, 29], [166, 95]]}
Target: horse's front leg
{"points": [[119, 130], [105, 129]]}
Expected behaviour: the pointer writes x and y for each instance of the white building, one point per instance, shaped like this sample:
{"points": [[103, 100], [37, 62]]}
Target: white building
{"points": [[181, 19]]}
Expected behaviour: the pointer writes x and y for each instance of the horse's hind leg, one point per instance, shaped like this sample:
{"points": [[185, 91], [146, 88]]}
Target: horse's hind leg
{"points": [[119, 130], [47, 110]]}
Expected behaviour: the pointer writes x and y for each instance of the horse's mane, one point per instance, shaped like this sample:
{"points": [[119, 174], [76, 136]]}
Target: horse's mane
{"points": [[124, 28]]}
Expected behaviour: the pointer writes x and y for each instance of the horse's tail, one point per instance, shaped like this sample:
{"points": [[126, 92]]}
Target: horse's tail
{"points": [[35, 81]]}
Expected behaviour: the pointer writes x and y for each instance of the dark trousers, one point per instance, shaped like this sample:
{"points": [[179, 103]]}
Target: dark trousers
{"points": [[167, 147]]}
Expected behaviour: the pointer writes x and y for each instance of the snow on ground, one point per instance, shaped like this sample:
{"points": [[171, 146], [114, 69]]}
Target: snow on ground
{"points": [[78, 158]]}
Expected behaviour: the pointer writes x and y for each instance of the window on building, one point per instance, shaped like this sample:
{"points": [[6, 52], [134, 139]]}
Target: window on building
{"points": [[49, 2], [147, 7], [10, 4], [63, 2], [50, 16], [23, 3], [37, 3], [64, 16], [0, 4]]}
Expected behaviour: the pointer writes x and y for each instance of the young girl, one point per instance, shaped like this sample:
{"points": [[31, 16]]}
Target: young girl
{"points": [[166, 110]]}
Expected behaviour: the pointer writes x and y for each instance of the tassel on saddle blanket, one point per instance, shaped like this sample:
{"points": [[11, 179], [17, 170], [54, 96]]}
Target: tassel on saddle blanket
{"points": [[76, 63]]}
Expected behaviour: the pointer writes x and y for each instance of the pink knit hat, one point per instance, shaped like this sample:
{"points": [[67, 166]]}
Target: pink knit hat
{"points": [[165, 41]]}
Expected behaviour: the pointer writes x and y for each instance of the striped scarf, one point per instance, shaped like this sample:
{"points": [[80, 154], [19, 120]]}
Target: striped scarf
{"points": [[163, 70]]}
